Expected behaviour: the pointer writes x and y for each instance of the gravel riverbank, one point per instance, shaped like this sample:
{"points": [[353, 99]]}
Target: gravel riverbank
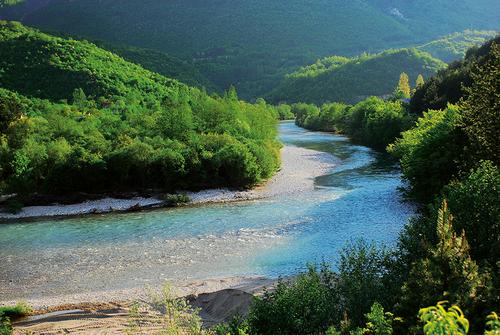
{"points": [[299, 168]]}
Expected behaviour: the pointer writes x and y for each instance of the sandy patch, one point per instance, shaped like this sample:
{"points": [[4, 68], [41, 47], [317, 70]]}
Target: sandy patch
{"points": [[218, 300]]}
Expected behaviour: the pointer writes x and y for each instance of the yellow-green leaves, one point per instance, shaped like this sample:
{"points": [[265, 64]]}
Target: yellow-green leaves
{"points": [[441, 321]]}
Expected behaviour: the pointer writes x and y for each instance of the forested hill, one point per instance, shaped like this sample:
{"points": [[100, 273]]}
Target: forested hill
{"points": [[454, 46], [253, 43], [350, 80], [109, 125], [162, 63], [450, 84]]}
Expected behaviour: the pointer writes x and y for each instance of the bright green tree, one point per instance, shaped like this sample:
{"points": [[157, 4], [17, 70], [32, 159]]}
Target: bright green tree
{"points": [[448, 273], [403, 90], [420, 81], [379, 322]]}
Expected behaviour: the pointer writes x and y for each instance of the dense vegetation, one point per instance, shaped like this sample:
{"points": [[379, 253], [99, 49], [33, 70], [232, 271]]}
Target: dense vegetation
{"points": [[159, 62], [93, 122], [252, 44], [9, 313], [372, 122], [350, 80], [454, 46], [449, 85], [449, 252]]}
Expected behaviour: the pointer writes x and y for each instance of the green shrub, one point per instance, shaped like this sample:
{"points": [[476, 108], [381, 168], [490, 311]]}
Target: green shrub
{"points": [[429, 152], [440, 321], [304, 305], [177, 199]]}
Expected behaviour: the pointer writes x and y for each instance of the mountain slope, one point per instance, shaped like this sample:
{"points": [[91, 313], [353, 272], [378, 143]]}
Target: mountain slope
{"points": [[252, 43], [110, 125], [161, 63], [350, 80], [454, 46], [449, 85]]}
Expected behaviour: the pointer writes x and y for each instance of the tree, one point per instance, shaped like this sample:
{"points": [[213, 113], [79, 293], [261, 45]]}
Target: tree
{"points": [[419, 82], [475, 204], [481, 108], [448, 273], [429, 152], [403, 90], [361, 283], [11, 109], [379, 322]]}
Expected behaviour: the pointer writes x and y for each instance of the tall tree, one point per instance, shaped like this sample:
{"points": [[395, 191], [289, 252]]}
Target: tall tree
{"points": [[481, 108], [420, 81], [403, 90], [448, 273]]}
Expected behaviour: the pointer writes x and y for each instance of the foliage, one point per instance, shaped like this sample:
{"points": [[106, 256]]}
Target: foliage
{"points": [[173, 315], [373, 121], [350, 80], [20, 309], [285, 112], [439, 321], [125, 129], [6, 3], [252, 44], [236, 326], [169, 66], [428, 152], [449, 85], [362, 280], [7, 313], [454, 46], [403, 90], [306, 305], [448, 272], [177, 199], [475, 203], [379, 322], [419, 81], [481, 107], [5, 325], [493, 324]]}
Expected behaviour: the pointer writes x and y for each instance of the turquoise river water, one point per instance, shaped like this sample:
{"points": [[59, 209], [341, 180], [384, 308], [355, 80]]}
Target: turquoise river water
{"points": [[270, 237]]}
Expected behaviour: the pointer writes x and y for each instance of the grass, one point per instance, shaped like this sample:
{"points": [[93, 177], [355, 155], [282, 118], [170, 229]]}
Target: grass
{"points": [[8, 313]]}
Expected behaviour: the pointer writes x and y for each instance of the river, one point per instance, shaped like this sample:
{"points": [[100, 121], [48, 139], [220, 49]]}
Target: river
{"points": [[270, 237]]}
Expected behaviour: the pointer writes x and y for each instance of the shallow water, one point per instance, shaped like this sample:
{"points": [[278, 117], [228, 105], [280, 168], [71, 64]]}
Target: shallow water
{"points": [[270, 237]]}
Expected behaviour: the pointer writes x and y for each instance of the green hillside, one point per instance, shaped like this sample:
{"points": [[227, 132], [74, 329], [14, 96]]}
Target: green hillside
{"points": [[351, 80], [161, 63], [449, 85], [454, 46], [253, 43], [107, 124]]}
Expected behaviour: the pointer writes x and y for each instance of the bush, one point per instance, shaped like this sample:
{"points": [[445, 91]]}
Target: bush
{"points": [[177, 199], [7, 313], [475, 205], [373, 121], [361, 280], [305, 305], [429, 152]]}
